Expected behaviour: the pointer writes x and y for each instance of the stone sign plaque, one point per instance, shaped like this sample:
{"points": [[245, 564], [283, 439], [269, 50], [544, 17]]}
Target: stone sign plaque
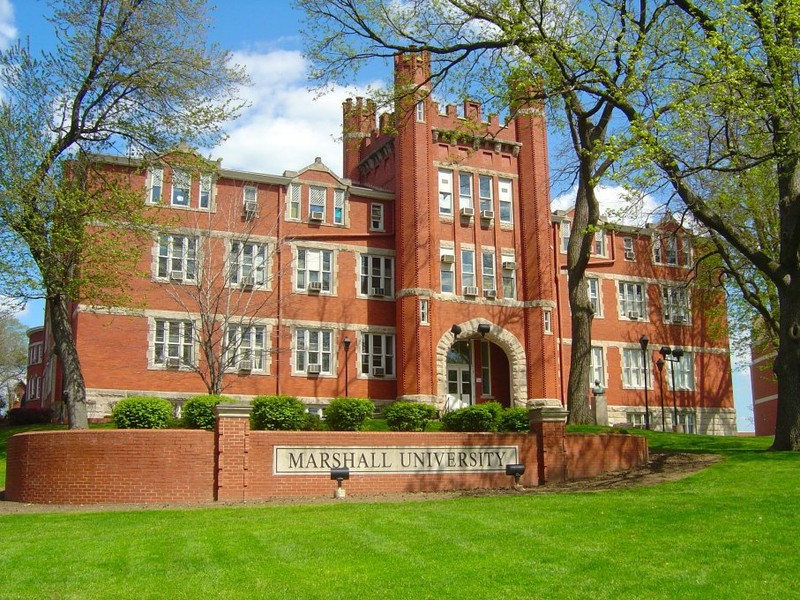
{"points": [[316, 460]]}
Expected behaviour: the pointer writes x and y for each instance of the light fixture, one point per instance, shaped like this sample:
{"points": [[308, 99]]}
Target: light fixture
{"points": [[643, 342], [516, 471], [455, 330], [484, 328], [346, 343], [339, 475]]}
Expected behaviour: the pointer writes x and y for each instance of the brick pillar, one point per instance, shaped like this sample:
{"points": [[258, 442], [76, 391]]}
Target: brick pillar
{"points": [[232, 444], [549, 423]]}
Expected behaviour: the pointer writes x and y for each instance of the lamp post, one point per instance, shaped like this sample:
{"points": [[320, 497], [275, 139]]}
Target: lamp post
{"points": [[672, 355], [660, 365], [346, 344], [643, 341]]}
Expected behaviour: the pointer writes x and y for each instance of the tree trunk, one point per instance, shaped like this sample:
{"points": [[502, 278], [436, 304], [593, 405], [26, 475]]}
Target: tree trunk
{"points": [[74, 393]]}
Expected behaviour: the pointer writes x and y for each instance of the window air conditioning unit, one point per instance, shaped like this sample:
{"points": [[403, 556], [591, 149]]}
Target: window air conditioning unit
{"points": [[509, 265], [314, 369], [377, 292], [490, 294], [248, 281], [176, 275], [448, 258], [378, 372], [467, 212], [173, 362], [487, 215], [470, 290], [250, 208], [629, 255], [680, 319], [245, 366], [633, 315], [314, 286], [315, 215]]}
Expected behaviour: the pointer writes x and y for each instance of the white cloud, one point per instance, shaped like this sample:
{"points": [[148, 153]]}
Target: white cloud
{"points": [[8, 31], [286, 127], [617, 205]]}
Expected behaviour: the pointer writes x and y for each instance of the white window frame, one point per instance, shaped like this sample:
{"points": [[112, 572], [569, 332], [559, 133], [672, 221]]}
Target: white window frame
{"points": [[155, 185], [339, 206], [447, 277], [630, 300], [505, 200], [305, 273], [627, 246], [370, 359], [376, 271], [293, 199], [376, 217], [675, 304], [600, 245], [485, 194], [468, 269], [169, 261], [424, 311], [445, 192], [488, 271], [671, 256], [593, 291], [509, 277], [420, 111], [182, 346], [247, 258], [486, 368], [632, 369], [686, 252], [564, 230], [465, 192], [547, 321], [598, 367], [206, 197], [313, 346], [245, 342], [689, 421], [684, 373], [35, 353], [250, 194], [180, 178], [317, 200]]}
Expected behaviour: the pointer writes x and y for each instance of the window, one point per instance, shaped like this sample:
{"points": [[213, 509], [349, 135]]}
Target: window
{"points": [[632, 370], [446, 276], [636, 419], [672, 250], [684, 373], [312, 347], [314, 267], [468, 268], [631, 300], [177, 257], [686, 252], [244, 347], [316, 203], [485, 192], [155, 185], [377, 355], [250, 194], [665, 251], [658, 251], [445, 192], [181, 184], [565, 229], [377, 275], [174, 343], [600, 242], [424, 311], [598, 367], [35, 353], [376, 217], [487, 263], [205, 191], [509, 279], [247, 263], [505, 200], [294, 201], [338, 207], [593, 285], [675, 304], [627, 247], [547, 316], [420, 111], [486, 368], [465, 190], [689, 422]]}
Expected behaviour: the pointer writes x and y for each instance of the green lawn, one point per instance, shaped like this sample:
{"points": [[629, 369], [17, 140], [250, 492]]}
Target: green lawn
{"points": [[730, 531]]}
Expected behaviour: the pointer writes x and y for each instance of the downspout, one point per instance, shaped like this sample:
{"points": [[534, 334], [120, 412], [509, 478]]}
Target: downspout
{"points": [[556, 256], [278, 325]]}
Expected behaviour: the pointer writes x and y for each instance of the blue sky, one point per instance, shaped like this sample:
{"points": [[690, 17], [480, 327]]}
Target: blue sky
{"points": [[286, 126]]}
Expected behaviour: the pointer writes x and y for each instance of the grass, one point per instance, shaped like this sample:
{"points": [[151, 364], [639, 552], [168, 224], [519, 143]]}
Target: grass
{"points": [[727, 532]]}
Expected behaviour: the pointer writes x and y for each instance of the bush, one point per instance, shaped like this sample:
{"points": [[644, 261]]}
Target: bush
{"points": [[478, 417], [198, 411], [142, 412], [313, 423], [348, 414], [408, 416], [278, 413], [29, 415], [514, 420]]}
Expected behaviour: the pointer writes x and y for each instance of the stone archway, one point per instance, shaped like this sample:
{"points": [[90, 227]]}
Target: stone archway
{"points": [[497, 335]]}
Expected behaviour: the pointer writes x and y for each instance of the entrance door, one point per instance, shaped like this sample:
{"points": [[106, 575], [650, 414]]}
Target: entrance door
{"points": [[459, 375]]}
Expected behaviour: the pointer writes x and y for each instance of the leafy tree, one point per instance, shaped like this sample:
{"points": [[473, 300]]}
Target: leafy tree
{"points": [[124, 73]]}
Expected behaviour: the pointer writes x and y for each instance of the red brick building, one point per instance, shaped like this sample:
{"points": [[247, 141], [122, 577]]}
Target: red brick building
{"points": [[431, 270], [765, 389]]}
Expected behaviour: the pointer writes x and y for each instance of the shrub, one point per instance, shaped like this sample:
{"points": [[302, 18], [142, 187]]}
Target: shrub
{"points": [[514, 420], [142, 412], [313, 423], [348, 414], [29, 415], [198, 411], [278, 413], [479, 417], [408, 416]]}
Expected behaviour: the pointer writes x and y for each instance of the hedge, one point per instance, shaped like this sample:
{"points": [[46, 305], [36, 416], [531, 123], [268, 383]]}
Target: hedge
{"points": [[348, 414], [278, 413], [408, 416], [198, 411], [142, 412]]}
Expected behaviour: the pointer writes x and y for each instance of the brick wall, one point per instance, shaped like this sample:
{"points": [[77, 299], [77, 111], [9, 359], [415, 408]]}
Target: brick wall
{"points": [[591, 454]]}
